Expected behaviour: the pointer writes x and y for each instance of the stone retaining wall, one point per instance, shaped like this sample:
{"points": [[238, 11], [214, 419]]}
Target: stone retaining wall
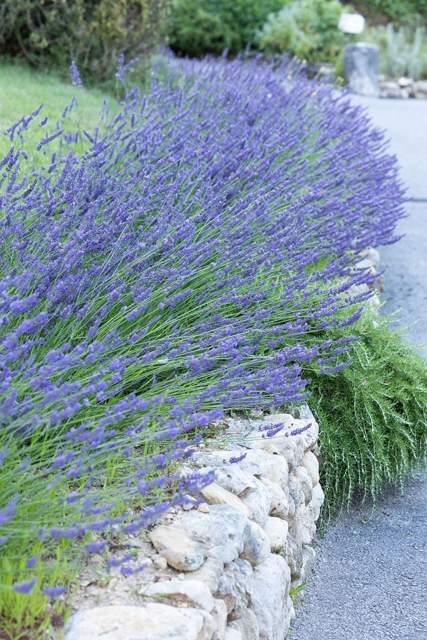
{"points": [[403, 88], [223, 568]]}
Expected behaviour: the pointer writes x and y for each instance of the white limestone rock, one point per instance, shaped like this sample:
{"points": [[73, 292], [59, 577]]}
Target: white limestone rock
{"points": [[234, 586], [365, 263], [219, 616], [192, 593], [277, 531], [151, 621], [262, 464], [309, 436], [311, 463], [293, 555], [246, 626], [234, 479], [221, 532], [268, 592], [420, 89], [308, 558], [317, 499], [289, 447], [233, 633], [302, 526], [256, 545], [305, 482], [373, 256], [295, 491], [258, 502], [280, 502], [209, 573], [215, 494], [179, 550], [267, 444]]}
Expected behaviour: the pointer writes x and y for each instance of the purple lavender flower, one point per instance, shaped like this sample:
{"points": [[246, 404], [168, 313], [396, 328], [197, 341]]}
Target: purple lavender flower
{"points": [[237, 459], [25, 587], [123, 68], [53, 592], [75, 74], [31, 562]]}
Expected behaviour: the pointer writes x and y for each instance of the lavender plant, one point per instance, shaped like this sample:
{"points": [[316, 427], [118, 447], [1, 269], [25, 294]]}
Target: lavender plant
{"points": [[185, 259]]}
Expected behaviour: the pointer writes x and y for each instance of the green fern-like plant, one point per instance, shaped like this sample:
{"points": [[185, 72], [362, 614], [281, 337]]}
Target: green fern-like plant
{"points": [[372, 417]]}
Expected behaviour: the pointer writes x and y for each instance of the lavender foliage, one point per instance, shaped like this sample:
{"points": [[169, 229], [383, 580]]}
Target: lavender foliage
{"points": [[188, 263]]}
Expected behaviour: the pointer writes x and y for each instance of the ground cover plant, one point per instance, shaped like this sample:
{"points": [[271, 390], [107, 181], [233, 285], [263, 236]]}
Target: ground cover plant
{"points": [[194, 256], [373, 417]]}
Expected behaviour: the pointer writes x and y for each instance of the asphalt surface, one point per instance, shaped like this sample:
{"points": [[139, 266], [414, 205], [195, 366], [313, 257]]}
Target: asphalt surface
{"points": [[370, 579], [405, 291]]}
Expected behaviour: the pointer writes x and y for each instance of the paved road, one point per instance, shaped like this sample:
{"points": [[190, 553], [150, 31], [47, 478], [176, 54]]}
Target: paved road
{"points": [[406, 262], [370, 581]]}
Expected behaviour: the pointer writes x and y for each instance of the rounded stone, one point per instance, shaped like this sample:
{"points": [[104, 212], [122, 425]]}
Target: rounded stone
{"points": [[179, 550], [151, 621]]}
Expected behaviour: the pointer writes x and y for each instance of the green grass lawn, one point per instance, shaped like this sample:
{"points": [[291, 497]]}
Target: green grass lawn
{"points": [[22, 89]]}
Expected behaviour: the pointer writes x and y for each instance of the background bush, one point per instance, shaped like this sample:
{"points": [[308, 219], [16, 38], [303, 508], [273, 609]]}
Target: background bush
{"points": [[94, 33], [400, 10], [197, 27], [383, 11], [306, 28], [403, 50]]}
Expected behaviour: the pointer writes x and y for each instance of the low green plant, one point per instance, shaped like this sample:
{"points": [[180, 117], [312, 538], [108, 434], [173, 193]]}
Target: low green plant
{"points": [[372, 416], [307, 29], [198, 27], [295, 593]]}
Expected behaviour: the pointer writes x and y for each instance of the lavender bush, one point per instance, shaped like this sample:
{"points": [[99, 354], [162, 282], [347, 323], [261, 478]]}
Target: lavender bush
{"points": [[189, 261]]}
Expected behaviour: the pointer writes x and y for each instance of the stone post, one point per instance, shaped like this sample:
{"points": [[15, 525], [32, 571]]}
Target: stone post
{"points": [[361, 68]]}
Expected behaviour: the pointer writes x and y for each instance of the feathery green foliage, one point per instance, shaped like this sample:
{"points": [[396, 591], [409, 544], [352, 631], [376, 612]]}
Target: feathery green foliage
{"points": [[372, 416]]}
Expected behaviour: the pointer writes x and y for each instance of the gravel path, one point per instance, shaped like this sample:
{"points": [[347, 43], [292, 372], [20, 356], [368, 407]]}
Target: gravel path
{"points": [[370, 580]]}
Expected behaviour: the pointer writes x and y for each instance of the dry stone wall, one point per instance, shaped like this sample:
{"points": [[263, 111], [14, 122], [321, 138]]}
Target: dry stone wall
{"points": [[222, 568], [403, 88]]}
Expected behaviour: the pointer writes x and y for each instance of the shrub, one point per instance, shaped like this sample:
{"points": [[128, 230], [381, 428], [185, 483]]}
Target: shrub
{"points": [[192, 260], [373, 417], [198, 27], [403, 51], [93, 33], [308, 29], [400, 11]]}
